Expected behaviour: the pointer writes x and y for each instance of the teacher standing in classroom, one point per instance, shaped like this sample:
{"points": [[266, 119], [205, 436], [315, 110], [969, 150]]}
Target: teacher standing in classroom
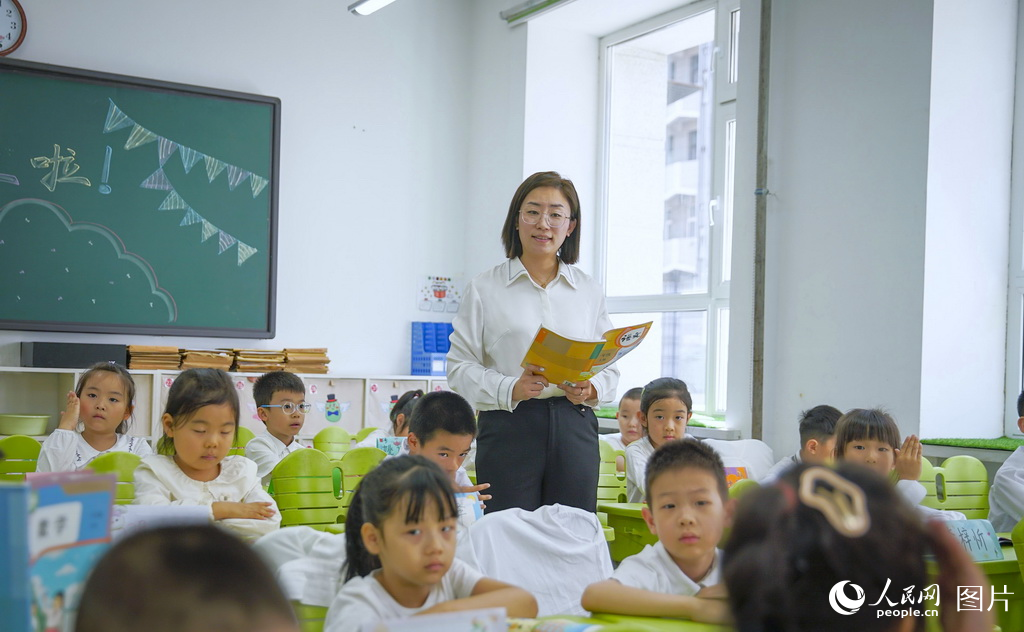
{"points": [[537, 442]]}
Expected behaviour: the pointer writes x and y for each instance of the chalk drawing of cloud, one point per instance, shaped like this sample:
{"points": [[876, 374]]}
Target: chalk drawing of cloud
{"points": [[55, 269], [67, 569]]}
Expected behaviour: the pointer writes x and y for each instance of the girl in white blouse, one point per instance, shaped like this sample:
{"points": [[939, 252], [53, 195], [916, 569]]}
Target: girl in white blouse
{"points": [[200, 424], [95, 421], [400, 537], [537, 443]]}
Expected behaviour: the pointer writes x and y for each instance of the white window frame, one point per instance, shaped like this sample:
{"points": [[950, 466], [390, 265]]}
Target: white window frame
{"points": [[716, 298], [1015, 319]]}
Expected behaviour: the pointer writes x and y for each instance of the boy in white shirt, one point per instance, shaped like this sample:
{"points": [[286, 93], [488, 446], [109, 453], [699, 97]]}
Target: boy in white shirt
{"points": [[817, 441], [688, 509], [1006, 496], [280, 404], [630, 428], [442, 427]]}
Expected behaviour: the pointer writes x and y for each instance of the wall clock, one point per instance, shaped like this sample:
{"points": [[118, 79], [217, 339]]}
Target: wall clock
{"points": [[13, 25]]}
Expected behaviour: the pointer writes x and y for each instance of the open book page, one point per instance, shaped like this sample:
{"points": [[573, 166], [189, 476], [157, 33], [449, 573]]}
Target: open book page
{"points": [[568, 361]]}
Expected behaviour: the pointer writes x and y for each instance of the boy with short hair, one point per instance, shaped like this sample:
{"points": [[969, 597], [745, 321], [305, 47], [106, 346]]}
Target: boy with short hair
{"points": [[817, 441], [281, 405], [442, 427], [630, 428], [688, 508], [1006, 496]]}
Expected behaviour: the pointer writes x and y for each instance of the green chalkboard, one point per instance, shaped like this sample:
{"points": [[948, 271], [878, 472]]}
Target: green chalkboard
{"points": [[130, 205]]}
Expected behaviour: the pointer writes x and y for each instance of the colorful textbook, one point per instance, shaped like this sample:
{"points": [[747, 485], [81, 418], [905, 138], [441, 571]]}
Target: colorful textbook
{"points": [[568, 361], [55, 527]]}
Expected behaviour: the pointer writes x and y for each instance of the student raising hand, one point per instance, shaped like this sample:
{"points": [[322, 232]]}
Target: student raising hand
{"points": [[908, 459], [69, 416]]}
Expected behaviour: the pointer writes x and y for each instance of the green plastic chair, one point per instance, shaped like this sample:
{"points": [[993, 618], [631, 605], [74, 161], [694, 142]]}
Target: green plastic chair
{"points": [[333, 441], [356, 464], [303, 484], [310, 618], [611, 484], [21, 453], [742, 487], [927, 479], [123, 464], [365, 432], [244, 436], [961, 484], [609, 532]]}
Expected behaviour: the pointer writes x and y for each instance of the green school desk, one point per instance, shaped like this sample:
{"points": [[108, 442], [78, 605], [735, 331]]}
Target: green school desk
{"points": [[655, 624], [631, 532], [1005, 572], [617, 623]]}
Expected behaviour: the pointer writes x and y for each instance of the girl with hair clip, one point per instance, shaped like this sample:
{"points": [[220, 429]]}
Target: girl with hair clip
{"points": [[871, 438], [797, 559], [400, 544], [95, 421], [200, 426], [665, 409], [399, 416]]}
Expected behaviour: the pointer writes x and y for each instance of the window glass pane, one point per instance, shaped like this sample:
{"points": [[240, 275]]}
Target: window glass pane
{"points": [[659, 160], [675, 347]]}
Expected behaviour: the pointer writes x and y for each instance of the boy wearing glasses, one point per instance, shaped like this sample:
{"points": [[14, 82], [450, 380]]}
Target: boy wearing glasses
{"points": [[280, 403]]}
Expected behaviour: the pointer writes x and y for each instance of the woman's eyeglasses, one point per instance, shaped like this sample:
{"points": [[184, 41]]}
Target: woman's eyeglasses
{"points": [[289, 408], [555, 219]]}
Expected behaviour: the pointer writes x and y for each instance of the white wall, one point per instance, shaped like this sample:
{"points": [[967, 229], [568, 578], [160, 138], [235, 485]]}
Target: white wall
{"points": [[497, 66], [562, 116], [964, 333], [847, 173], [375, 163]]}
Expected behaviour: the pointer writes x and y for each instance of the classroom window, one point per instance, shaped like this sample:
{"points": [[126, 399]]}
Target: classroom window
{"points": [[666, 209]]}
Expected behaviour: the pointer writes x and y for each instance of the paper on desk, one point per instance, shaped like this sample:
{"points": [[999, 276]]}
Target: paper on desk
{"points": [[131, 518]]}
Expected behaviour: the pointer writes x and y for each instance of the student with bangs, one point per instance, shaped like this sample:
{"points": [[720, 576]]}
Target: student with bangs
{"points": [[400, 542]]}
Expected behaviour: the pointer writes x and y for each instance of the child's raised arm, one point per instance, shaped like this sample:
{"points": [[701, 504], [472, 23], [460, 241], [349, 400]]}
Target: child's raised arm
{"points": [[69, 416], [908, 459], [614, 597], [490, 593]]}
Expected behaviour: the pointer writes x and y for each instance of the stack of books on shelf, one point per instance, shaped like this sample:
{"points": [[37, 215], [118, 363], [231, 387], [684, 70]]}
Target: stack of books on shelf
{"points": [[257, 360], [153, 357], [206, 359], [306, 360]]}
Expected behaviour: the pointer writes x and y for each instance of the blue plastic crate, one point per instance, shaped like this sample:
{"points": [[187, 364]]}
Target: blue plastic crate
{"points": [[429, 363], [429, 347]]}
